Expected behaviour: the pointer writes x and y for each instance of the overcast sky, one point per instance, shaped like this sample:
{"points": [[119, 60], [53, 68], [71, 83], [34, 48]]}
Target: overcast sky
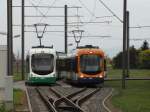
{"points": [[90, 11]]}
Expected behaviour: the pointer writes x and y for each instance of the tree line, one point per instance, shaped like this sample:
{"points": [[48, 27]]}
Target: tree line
{"points": [[139, 58]]}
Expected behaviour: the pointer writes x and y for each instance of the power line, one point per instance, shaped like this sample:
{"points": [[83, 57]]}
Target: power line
{"points": [[86, 8], [44, 6], [17, 25], [3, 33], [91, 36], [46, 31], [105, 17], [145, 26], [57, 16], [36, 8], [91, 22], [91, 13], [39, 2], [131, 39], [110, 10], [138, 39], [138, 27], [94, 8], [49, 9]]}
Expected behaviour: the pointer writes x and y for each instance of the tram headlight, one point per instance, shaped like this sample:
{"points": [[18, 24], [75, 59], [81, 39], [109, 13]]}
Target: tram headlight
{"points": [[81, 76], [101, 76]]}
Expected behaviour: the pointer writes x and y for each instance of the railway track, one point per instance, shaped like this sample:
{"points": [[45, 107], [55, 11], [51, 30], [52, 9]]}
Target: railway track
{"points": [[56, 101]]}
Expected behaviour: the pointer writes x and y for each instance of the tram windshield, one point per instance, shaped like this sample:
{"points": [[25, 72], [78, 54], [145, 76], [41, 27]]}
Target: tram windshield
{"points": [[90, 64], [42, 63]]}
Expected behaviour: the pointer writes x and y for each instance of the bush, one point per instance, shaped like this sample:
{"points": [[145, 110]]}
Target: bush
{"points": [[144, 59]]}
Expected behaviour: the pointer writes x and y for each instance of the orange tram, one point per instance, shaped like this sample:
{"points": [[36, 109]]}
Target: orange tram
{"points": [[86, 65]]}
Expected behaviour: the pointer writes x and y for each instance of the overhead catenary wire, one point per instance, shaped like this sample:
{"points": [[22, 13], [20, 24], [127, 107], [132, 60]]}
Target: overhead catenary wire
{"points": [[39, 2], [43, 14], [89, 11], [17, 25], [45, 6], [101, 17], [138, 39], [104, 16], [48, 9], [141, 26], [45, 31], [3, 33], [36, 8], [91, 22], [52, 16], [92, 36], [86, 8], [132, 39], [110, 10], [94, 8]]}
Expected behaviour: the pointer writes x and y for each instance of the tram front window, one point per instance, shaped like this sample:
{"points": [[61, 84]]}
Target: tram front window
{"points": [[42, 63], [90, 64]]}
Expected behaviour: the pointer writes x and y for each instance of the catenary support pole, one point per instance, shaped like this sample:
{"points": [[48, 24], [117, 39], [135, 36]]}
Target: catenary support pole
{"points": [[124, 44], [128, 44], [66, 29], [8, 81], [22, 41], [9, 38]]}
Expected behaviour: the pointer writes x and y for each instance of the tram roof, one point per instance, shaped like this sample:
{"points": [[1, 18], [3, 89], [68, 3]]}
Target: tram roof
{"points": [[42, 49]]}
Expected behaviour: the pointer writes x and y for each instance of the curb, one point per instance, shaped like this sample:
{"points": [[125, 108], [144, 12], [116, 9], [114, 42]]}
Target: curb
{"points": [[28, 100]]}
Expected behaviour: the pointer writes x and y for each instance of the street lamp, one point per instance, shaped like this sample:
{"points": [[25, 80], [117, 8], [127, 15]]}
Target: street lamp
{"points": [[77, 36]]}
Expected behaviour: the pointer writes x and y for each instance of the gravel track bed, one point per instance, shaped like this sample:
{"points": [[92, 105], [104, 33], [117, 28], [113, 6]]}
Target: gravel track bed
{"points": [[93, 104], [36, 102]]}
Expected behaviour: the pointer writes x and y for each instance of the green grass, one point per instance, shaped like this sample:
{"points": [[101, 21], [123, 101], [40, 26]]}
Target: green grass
{"points": [[18, 96], [117, 73], [2, 108], [136, 96], [17, 76]]}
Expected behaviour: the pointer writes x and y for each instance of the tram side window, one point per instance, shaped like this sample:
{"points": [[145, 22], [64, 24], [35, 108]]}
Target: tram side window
{"points": [[27, 64], [73, 64]]}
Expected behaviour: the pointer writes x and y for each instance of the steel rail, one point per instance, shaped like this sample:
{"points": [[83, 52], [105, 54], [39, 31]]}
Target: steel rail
{"points": [[85, 97], [75, 93], [48, 101], [72, 106], [70, 96]]}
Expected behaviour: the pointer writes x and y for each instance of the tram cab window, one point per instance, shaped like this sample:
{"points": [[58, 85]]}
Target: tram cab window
{"points": [[90, 64], [42, 63]]}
